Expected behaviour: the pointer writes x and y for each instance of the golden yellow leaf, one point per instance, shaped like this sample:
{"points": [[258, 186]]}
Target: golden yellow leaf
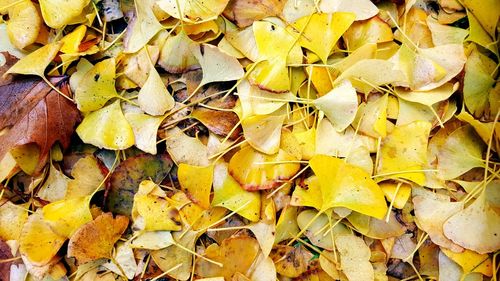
{"points": [[196, 181]]}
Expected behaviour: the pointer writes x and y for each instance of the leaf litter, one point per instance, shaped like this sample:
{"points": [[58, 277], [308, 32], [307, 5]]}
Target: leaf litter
{"points": [[249, 140]]}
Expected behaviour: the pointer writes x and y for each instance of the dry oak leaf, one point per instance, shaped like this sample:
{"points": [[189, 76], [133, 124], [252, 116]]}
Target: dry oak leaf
{"points": [[95, 239], [35, 113]]}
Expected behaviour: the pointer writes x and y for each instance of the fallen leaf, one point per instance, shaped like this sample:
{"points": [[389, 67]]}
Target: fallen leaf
{"points": [[95, 239], [125, 180], [354, 258], [41, 116], [58, 13]]}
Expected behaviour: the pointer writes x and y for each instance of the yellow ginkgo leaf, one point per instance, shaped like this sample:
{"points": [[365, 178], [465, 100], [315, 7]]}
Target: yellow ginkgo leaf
{"points": [[12, 219], [185, 149], [287, 227], [144, 27], [363, 9], [354, 258], [154, 97], [24, 24], [371, 119], [479, 35], [153, 240], [462, 151], [72, 41], [431, 212], [471, 261], [476, 227], [271, 75], [486, 12], [217, 66], [55, 186], [196, 181], [339, 105], [430, 97], [399, 195], [107, 128], [250, 169], [402, 157], [320, 32], [183, 60], [87, 176], [193, 11], [445, 34], [145, 128], [343, 185], [97, 86], [368, 73], [58, 13], [229, 194], [371, 31], [36, 62], [151, 211], [243, 40], [38, 242], [67, 215], [263, 132]]}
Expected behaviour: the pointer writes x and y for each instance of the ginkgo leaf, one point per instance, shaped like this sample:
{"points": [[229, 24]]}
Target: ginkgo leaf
{"points": [[183, 60], [471, 261], [145, 128], [263, 132], [237, 254], [244, 41], [151, 211], [107, 128], [186, 149], [58, 13], [24, 24], [153, 240], [461, 152], [340, 185], [376, 228], [476, 227], [12, 218], [363, 9], [485, 12], [429, 97], [250, 169], [290, 261], [397, 195], [229, 194], [125, 261], [87, 176], [333, 143], [320, 32], [38, 242], [66, 216], [369, 73], [287, 227], [143, 28], [402, 157], [217, 66], [445, 34], [193, 11], [479, 35], [154, 98], [172, 256], [365, 33], [196, 181], [271, 75], [55, 186], [478, 82], [319, 231], [95, 239], [97, 86], [72, 41], [431, 212], [354, 258], [339, 105], [371, 118], [35, 63]]}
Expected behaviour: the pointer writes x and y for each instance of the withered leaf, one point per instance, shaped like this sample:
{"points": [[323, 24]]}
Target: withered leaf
{"points": [[129, 174], [5, 254], [95, 239], [35, 113], [219, 122], [245, 12]]}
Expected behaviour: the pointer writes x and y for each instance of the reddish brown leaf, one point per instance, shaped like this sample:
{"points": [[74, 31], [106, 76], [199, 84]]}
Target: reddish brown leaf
{"points": [[34, 113], [10, 60], [5, 254]]}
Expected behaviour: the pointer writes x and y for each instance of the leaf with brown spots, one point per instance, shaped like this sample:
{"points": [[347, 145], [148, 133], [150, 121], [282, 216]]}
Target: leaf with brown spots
{"points": [[95, 239]]}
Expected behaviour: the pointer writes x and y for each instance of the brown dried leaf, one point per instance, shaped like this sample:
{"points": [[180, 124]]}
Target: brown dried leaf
{"points": [[95, 239]]}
